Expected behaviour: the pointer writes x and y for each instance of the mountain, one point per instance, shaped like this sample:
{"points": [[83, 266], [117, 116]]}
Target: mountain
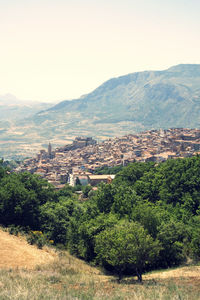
{"points": [[134, 102], [143, 100], [12, 108], [12, 111]]}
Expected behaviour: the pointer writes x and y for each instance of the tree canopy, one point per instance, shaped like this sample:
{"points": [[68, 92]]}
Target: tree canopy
{"points": [[147, 218], [126, 247]]}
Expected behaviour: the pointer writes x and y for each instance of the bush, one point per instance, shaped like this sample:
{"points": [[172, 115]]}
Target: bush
{"points": [[37, 238]]}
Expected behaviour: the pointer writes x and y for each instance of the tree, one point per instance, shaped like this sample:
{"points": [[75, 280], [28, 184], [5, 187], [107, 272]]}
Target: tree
{"points": [[86, 189], [21, 196], [173, 236], [194, 246], [88, 230], [125, 199], [42, 188], [149, 216], [126, 246], [77, 182], [133, 172], [2, 169], [104, 197], [19, 205], [55, 219], [67, 191]]}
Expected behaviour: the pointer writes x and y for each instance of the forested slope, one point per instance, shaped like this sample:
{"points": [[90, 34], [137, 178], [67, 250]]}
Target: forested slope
{"points": [[148, 218]]}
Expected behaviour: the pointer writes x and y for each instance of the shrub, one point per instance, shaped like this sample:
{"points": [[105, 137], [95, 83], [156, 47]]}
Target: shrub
{"points": [[37, 238]]}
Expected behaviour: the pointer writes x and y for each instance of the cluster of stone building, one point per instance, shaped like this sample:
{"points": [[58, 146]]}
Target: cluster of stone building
{"points": [[84, 155]]}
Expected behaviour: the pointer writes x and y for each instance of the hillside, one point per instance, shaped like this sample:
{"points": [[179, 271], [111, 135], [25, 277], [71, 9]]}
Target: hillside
{"points": [[67, 277], [15, 252], [12, 108], [151, 99], [131, 103]]}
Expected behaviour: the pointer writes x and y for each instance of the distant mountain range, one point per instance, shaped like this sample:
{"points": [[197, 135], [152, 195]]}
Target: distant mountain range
{"points": [[134, 102], [12, 108]]}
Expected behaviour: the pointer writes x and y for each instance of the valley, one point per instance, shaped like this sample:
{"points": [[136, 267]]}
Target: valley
{"points": [[129, 104]]}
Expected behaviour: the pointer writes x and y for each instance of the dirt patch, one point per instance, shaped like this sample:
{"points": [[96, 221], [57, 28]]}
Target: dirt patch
{"points": [[15, 252]]}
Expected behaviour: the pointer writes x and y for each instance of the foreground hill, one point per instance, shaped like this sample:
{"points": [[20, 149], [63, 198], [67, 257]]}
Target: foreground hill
{"points": [[15, 252], [66, 277]]}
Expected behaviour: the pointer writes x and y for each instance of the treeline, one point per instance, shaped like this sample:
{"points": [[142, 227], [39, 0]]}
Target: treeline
{"points": [[148, 218]]}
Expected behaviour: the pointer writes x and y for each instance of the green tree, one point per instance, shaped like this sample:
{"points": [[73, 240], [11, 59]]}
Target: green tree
{"points": [[86, 189], [88, 231], [104, 197], [126, 246], [148, 215], [124, 199], [194, 246], [67, 191], [133, 172], [55, 219], [19, 206], [174, 237], [2, 169], [44, 191], [108, 170]]}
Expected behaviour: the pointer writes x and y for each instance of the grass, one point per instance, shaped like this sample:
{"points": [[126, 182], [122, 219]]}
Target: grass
{"points": [[16, 252], [28, 273], [69, 278]]}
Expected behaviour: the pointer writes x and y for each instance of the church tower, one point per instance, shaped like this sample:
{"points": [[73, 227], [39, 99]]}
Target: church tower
{"points": [[49, 150]]}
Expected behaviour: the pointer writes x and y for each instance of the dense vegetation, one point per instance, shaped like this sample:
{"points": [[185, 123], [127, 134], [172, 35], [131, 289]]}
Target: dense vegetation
{"points": [[148, 218]]}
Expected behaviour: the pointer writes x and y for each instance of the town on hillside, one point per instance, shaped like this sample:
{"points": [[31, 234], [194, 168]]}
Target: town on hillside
{"points": [[81, 158]]}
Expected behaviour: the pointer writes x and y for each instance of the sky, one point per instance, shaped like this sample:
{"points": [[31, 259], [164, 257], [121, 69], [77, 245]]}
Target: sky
{"points": [[54, 50]]}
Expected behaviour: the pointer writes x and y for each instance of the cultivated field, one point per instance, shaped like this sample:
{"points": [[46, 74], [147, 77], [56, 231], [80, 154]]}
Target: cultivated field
{"points": [[28, 273]]}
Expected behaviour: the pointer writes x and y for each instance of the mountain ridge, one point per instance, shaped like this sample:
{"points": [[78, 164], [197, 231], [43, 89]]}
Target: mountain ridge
{"points": [[130, 103], [125, 98], [113, 82]]}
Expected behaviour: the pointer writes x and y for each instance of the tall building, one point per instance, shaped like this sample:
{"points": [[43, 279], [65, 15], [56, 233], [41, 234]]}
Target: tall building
{"points": [[49, 150]]}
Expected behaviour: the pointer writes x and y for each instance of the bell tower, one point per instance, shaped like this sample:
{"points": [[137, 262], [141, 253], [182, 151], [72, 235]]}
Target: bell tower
{"points": [[49, 150]]}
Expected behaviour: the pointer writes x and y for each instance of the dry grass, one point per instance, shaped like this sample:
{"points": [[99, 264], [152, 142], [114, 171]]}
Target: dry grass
{"points": [[15, 252], [69, 278], [66, 277], [182, 272]]}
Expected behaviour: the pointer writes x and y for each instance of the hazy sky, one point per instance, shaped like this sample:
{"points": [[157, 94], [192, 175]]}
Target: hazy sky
{"points": [[52, 50]]}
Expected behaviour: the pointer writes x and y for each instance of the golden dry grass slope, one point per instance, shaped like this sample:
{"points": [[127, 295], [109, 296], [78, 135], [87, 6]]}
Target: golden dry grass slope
{"points": [[62, 276], [15, 252]]}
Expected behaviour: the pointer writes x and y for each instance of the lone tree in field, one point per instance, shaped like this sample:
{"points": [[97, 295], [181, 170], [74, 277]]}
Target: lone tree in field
{"points": [[126, 246]]}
